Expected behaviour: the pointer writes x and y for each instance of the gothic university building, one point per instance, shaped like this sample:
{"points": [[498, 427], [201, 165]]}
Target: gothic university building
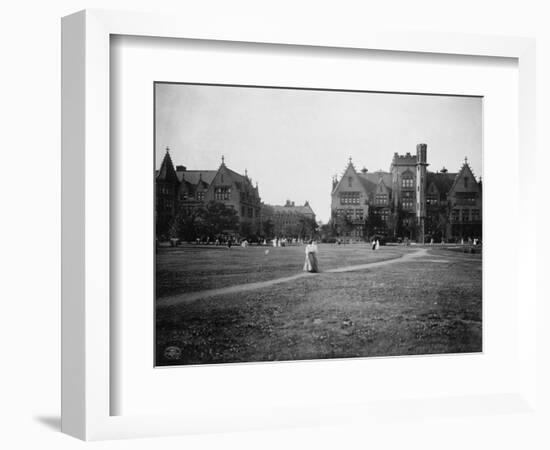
{"points": [[181, 191], [290, 219], [408, 201]]}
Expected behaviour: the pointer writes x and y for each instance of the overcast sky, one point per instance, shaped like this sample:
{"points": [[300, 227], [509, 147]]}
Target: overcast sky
{"points": [[293, 141]]}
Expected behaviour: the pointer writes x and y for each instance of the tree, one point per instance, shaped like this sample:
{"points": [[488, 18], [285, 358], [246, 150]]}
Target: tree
{"points": [[268, 227], [405, 224], [307, 227], [245, 230], [342, 224], [436, 221], [183, 225], [374, 223], [209, 220], [214, 219], [327, 232]]}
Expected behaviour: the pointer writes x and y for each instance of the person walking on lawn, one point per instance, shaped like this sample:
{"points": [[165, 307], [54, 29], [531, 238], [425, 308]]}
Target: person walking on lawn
{"points": [[311, 264]]}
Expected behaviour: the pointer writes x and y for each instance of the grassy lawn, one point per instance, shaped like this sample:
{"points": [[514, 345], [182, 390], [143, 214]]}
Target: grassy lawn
{"points": [[422, 306], [196, 268]]}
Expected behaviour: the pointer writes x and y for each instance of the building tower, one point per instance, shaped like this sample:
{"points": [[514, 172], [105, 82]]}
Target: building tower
{"points": [[421, 168]]}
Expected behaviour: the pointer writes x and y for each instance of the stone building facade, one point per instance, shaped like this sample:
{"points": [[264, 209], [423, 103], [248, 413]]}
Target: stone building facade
{"points": [[408, 201], [290, 220], [179, 190]]}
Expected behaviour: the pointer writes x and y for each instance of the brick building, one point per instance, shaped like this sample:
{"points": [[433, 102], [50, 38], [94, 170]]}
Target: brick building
{"points": [[408, 201]]}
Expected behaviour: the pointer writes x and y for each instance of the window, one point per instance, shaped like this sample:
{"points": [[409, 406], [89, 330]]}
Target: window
{"points": [[200, 196], [431, 199], [407, 203], [183, 196], [359, 214], [222, 193], [350, 181], [349, 198], [465, 215], [407, 182], [381, 199], [466, 198], [164, 189], [476, 216], [455, 214], [466, 182]]}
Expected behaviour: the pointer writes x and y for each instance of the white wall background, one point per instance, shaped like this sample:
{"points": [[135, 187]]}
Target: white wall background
{"points": [[30, 224]]}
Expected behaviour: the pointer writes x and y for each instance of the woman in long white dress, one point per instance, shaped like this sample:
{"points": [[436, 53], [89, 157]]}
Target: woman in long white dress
{"points": [[311, 264]]}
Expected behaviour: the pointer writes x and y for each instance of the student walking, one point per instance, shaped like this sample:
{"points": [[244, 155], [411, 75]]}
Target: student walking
{"points": [[311, 264]]}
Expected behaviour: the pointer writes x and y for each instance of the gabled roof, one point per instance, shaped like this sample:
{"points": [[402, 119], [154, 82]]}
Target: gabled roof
{"points": [[367, 185], [370, 186], [167, 172], [442, 181], [465, 169], [377, 177], [306, 209], [242, 181], [281, 209], [194, 176], [186, 186], [284, 209]]}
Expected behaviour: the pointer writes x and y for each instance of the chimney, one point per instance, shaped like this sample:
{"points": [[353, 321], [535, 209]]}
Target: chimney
{"points": [[181, 168], [364, 170]]}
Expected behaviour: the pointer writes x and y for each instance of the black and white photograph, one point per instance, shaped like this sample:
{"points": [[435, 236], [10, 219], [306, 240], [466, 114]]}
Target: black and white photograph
{"points": [[300, 224]]}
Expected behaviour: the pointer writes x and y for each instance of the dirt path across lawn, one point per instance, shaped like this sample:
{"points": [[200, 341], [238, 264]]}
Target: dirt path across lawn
{"points": [[192, 296]]}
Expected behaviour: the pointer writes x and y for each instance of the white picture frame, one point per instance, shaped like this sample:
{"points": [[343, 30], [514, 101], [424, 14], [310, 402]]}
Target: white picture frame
{"points": [[86, 249]]}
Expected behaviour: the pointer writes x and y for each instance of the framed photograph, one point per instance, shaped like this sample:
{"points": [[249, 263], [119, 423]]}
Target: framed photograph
{"points": [[269, 228], [234, 261]]}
